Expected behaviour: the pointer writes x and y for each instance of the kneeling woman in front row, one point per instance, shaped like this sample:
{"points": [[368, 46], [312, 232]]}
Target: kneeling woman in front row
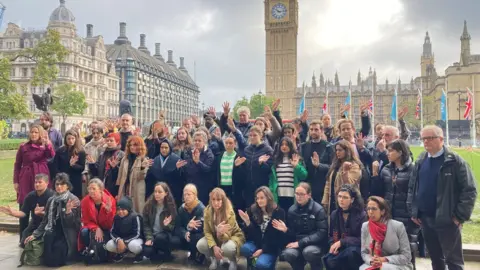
{"points": [[159, 217], [264, 242], [223, 237]]}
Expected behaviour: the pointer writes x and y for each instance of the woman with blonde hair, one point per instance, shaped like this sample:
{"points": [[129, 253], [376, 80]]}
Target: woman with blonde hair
{"points": [[132, 172], [345, 170], [189, 223], [223, 237]]}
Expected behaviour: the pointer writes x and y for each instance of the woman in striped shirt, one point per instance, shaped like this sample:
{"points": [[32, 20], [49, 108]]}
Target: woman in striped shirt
{"points": [[287, 172]]}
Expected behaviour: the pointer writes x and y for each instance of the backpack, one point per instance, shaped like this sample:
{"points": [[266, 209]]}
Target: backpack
{"points": [[32, 253], [96, 252]]}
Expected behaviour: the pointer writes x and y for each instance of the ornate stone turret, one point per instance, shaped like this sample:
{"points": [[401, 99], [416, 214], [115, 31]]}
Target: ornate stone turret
{"points": [[314, 82], [359, 78], [465, 46], [322, 80]]}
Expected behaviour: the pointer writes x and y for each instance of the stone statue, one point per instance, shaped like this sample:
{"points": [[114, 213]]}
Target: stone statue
{"points": [[43, 102], [125, 107]]}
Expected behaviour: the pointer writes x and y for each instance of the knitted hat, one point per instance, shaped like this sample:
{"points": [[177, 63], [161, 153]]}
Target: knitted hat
{"points": [[125, 203]]}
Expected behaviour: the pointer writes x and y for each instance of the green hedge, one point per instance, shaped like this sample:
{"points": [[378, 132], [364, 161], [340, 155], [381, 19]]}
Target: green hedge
{"points": [[10, 144]]}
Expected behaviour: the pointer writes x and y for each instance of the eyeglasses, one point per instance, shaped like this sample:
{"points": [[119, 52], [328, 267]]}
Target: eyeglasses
{"points": [[300, 194], [372, 209], [60, 184], [429, 138]]}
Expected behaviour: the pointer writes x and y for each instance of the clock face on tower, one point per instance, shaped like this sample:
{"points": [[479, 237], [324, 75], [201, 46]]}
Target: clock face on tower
{"points": [[279, 11]]}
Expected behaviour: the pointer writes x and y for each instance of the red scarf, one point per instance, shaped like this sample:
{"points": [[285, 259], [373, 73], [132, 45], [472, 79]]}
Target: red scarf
{"points": [[377, 231]]}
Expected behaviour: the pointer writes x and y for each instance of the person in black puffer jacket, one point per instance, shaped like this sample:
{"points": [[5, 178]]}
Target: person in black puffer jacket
{"points": [[395, 177], [306, 232], [189, 223], [257, 166]]}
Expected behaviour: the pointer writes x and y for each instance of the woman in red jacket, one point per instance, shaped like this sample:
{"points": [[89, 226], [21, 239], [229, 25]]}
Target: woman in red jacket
{"points": [[98, 211]]}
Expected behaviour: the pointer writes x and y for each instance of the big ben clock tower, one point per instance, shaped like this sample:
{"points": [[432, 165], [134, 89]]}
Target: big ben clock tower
{"points": [[281, 27]]}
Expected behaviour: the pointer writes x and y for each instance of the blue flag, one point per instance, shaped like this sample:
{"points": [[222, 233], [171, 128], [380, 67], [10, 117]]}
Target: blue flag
{"points": [[302, 105], [443, 106], [347, 102], [393, 113]]}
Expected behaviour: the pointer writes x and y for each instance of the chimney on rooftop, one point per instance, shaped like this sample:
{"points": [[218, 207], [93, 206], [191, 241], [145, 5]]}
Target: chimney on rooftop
{"points": [[123, 29], [142, 40], [157, 48], [89, 30], [182, 64]]}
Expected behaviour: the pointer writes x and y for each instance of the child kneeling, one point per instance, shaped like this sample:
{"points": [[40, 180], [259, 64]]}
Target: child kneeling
{"points": [[125, 232]]}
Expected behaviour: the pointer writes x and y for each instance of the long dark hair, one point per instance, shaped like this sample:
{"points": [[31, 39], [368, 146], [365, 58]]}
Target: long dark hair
{"points": [[271, 205], [77, 147], [355, 195], [382, 205], [349, 156], [168, 202], [402, 147], [279, 155]]}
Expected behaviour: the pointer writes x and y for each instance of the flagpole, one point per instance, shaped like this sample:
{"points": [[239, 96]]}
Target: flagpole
{"points": [[350, 94], [373, 114], [396, 109], [474, 127], [421, 104], [446, 112]]}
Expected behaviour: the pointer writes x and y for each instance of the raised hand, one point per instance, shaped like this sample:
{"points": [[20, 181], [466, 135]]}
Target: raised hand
{"points": [[71, 204], [7, 210], [279, 225], [257, 253], [39, 210], [267, 113], [275, 105], [402, 112], [194, 224], [181, 163], [90, 159], [107, 205], [239, 161], [196, 156], [263, 159], [375, 168], [346, 166], [315, 159], [345, 108], [226, 108], [195, 120], [167, 221], [161, 114], [295, 160], [231, 124], [360, 141], [149, 243], [73, 160], [211, 111], [147, 163], [381, 145], [244, 216], [304, 116]]}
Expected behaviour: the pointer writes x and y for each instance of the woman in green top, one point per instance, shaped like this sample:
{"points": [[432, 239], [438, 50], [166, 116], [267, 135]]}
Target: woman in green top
{"points": [[229, 172], [288, 170]]}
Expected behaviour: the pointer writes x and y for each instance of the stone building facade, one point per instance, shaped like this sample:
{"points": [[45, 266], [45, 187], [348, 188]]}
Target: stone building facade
{"points": [[86, 67], [152, 84]]}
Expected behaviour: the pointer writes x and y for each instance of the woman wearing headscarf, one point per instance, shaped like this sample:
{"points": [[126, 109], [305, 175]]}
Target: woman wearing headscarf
{"points": [[164, 169]]}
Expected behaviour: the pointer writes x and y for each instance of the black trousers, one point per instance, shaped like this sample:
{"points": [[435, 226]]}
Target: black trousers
{"points": [[55, 248], [285, 203], [444, 244], [192, 245], [163, 242], [23, 222]]}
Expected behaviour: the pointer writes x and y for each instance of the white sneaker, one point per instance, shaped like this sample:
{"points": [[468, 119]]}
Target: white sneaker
{"points": [[232, 265], [213, 263]]}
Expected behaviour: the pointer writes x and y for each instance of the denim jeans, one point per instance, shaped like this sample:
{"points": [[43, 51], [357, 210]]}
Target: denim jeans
{"points": [[264, 261]]}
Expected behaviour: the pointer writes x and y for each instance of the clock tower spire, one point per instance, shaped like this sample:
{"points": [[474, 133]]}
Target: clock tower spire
{"points": [[281, 31]]}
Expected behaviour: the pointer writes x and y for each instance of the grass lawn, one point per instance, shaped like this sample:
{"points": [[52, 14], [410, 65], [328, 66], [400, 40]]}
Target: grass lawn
{"points": [[471, 230]]}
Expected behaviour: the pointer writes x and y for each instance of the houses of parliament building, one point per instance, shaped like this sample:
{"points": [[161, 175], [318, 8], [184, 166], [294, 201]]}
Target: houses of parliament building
{"points": [[281, 26]]}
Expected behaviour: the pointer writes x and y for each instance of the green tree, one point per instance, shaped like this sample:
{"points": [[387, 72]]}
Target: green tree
{"points": [[429, 112], [68, 102], [256, 104], [46, 55]]}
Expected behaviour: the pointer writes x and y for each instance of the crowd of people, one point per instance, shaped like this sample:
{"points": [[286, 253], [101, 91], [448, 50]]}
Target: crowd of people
{"points": [[305, 192]]}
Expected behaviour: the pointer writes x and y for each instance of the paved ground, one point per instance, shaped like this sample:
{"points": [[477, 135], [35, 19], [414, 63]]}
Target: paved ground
{"points": [[9, 256]]}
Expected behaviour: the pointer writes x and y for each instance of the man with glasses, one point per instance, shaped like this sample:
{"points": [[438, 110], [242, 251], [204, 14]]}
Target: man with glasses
{"points": [[441, 197]]}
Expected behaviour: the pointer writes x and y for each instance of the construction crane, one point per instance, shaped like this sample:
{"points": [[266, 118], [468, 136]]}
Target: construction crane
{"points": [[2, 11]]}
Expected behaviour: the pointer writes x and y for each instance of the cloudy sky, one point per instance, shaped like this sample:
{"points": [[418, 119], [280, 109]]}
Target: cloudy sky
{"points": [[226, 38]]}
